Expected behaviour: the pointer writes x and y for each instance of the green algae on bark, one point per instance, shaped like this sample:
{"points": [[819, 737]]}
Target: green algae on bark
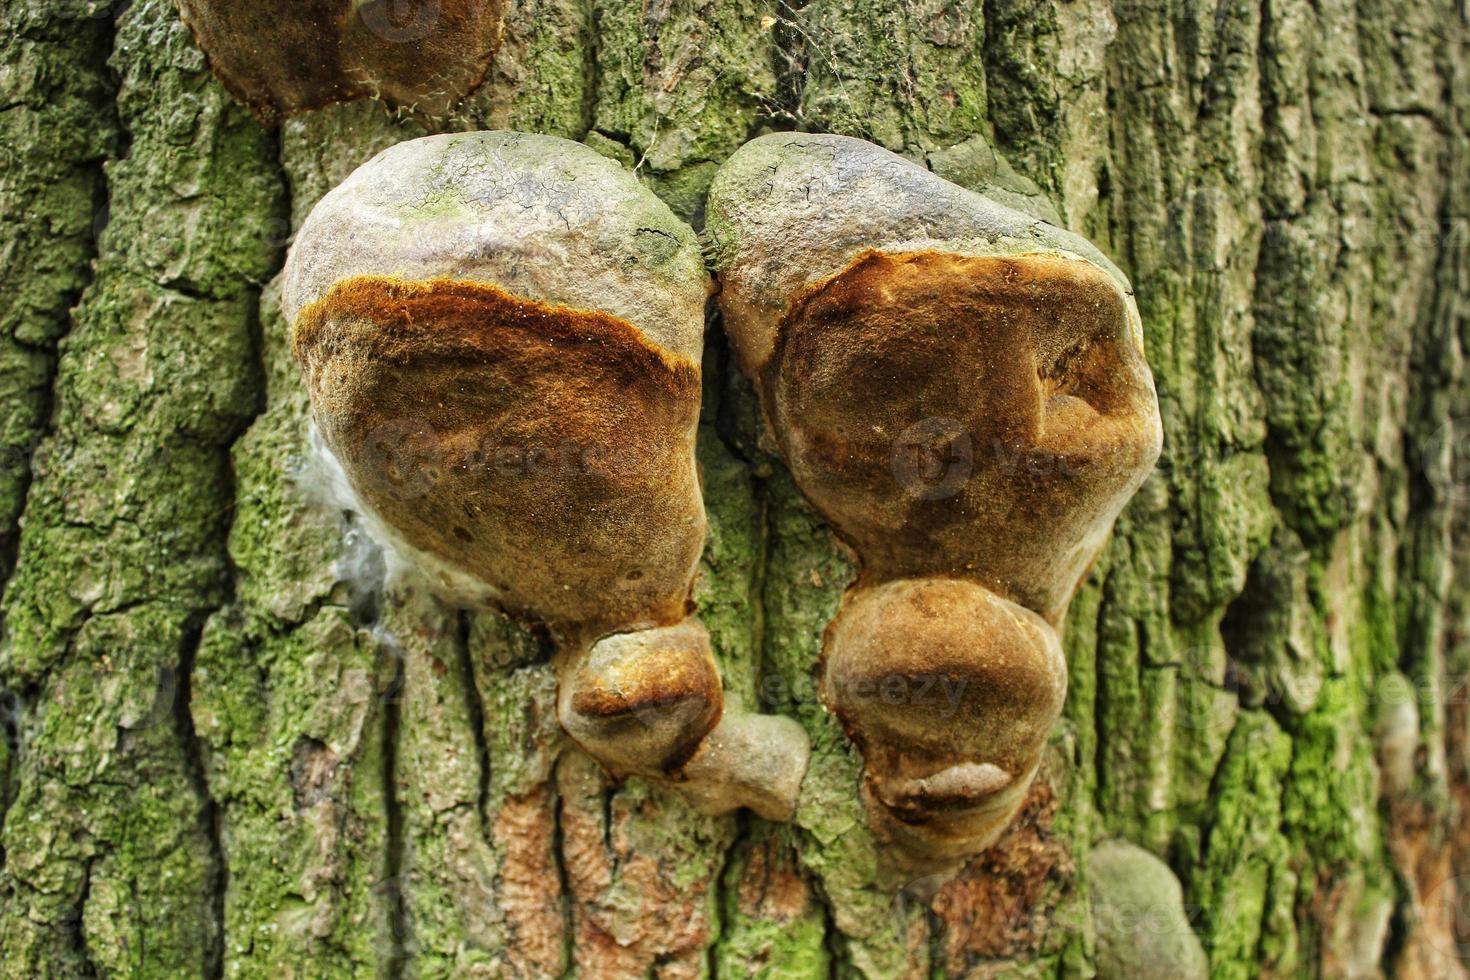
{"points": [[58, 126], [122, 552]]}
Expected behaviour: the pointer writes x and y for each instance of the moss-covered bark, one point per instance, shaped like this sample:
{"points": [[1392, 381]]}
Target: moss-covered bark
{"points": [[58, 125], [236, 745]]}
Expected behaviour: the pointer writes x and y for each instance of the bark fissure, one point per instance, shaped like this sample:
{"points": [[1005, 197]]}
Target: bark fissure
{"points": [[475, 706], [76, 933], [81, 51], [209, 813], [399, 925], [563, 876]]}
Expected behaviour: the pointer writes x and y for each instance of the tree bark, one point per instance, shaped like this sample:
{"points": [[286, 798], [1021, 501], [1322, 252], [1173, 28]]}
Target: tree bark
{"points": [[236, 745]]}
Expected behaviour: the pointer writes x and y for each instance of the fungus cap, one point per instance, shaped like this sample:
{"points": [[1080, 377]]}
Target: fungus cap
{"points": [[542, 218], [295, 55], [500, 337], [949, 689], [789, 209], [960, 388]]}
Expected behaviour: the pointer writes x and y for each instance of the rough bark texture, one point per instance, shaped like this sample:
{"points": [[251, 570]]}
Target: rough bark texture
{"points": [[233, 749]]}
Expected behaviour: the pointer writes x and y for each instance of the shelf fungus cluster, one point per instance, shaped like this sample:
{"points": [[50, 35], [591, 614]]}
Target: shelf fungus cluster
{"points": [[295, 55], [501, 338], [961, 391]]}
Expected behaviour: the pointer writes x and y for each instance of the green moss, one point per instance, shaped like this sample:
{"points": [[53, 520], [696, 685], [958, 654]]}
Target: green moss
{"points": [[7, 763], [57, 127], [684, 190], [1156, 721], [1332, 778], [131, 510], [541, 80], [1235, 879], [611, 149], [1299, 348], [772, 928], [262, 705], [909, 83], [1027, 101], [123, 550], [772, 950], [450, 925], [684, 82], [726, 599]]}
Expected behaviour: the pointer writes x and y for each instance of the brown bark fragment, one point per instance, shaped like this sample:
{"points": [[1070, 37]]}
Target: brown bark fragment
{"points": [[1002, 906], [530, 887], [631, 915]]}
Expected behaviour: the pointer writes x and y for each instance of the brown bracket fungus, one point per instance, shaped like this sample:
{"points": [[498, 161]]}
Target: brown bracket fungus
{"points": [[961, 390], [501, 337], [285, 57]]}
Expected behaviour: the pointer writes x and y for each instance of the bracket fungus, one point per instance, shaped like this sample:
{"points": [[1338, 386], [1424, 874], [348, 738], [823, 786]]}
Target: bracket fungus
{"points": [[501, 335], [960, 389], [292, 56]]}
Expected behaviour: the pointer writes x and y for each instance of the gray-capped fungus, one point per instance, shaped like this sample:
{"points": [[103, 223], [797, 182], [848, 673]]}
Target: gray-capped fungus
{"points": [[501, 337], [960, 389]]}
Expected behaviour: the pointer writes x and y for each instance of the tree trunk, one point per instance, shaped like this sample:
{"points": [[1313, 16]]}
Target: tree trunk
{"points": [[236, 746]]}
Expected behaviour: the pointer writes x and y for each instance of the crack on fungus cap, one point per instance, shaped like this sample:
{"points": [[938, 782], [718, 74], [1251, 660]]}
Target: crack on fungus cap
{"points": [[284, 56]]}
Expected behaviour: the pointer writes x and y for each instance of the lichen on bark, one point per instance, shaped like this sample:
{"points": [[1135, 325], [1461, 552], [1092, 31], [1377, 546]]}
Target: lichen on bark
{"points": [[113, 863]]}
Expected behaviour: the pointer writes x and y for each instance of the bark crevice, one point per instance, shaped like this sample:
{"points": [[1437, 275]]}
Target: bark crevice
{"points": [[393, 891], [209, 812], [475, 710]]}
